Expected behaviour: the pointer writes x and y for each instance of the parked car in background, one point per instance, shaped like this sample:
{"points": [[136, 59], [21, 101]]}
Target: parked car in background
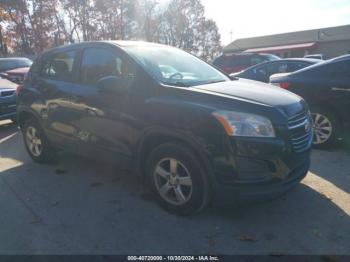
{"points": [[326, 88], [238, 62], [7, 100], [263, 71], [196, 139], [14, 68], [10, 63], [16, 75], [315, 56]]}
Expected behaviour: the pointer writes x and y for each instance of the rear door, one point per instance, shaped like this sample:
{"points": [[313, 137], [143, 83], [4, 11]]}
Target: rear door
{"points": [[339, 87], [56, 77]]}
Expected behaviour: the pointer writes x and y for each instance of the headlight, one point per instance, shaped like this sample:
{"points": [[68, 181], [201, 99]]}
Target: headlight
{"points": [[243, 124]]}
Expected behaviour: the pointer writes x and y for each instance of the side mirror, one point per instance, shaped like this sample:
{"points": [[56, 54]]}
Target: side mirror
{"points": [[111, 84], [233, 77]]}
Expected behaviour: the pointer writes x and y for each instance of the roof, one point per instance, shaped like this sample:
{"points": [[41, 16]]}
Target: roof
{"points": [[282, 47], [299, 37], [306, 60], [119, 43]]}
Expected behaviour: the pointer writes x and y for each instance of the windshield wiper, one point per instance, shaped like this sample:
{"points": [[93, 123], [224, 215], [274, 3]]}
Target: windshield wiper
{"points": [[180, 84], [216, 81]]}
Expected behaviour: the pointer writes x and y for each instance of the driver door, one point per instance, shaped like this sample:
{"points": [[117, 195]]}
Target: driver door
{"points": [[102, 118]]}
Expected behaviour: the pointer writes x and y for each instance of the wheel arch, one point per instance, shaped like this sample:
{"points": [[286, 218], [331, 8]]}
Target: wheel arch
{"points": [[24, 115], [150, 140]]}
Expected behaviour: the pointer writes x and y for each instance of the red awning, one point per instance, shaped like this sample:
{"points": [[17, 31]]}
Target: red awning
{"points": [[282, 48]]}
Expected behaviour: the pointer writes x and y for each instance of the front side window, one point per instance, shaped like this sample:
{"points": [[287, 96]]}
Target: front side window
{"points": [[98, 63], [173, 66], [60, 66]]}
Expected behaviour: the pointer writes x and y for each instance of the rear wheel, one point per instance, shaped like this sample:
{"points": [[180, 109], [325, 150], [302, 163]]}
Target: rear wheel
{"points": [[326, 128], [36, 142], [177, 179]]}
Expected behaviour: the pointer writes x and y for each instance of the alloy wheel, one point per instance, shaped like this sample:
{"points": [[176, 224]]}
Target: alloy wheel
{"points": [[173, 181], [323, 128], [33, 141]]}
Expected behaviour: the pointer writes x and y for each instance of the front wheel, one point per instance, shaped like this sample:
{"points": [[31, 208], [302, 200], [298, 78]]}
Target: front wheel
{"points": [[326, 128], [177, 179]]}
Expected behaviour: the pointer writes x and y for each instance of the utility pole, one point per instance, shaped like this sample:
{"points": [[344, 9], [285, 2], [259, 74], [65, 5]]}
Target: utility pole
{"points": [[231, 35], [121, 20]]}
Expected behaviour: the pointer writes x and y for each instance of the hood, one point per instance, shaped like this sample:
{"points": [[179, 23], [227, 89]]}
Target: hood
{"points": [[258, 93], [6, 84]]}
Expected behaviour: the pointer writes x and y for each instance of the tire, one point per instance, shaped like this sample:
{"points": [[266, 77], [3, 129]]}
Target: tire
{"points": [[41, 152], [188, 192], [326, 128]]}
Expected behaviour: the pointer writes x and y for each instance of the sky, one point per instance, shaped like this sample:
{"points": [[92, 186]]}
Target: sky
{"points": [[248, 18]]}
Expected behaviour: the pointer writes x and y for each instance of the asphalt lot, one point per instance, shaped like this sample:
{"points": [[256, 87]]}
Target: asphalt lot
{"points": [[85, 206]]}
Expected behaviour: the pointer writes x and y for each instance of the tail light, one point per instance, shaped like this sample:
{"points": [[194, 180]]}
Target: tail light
{"points": [[19, 89], [284, 85]]}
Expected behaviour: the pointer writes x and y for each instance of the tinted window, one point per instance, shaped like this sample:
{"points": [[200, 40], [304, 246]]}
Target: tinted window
{"points": [[280, 67], [220, 61], [257, 60], [99, 63], [340, 70], [237, 60], [295, 66], [59, 66], [260, 70]]}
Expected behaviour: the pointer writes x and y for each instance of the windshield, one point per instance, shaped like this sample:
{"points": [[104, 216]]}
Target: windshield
{"points": [[173, 66], [272, 57]]}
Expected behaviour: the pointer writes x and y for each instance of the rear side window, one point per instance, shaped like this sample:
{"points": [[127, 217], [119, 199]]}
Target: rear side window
{"points": [[59, 66], [98, 63]]}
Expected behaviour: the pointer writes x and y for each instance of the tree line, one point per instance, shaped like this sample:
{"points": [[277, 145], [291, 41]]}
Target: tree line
{"points": [[28, 27]]}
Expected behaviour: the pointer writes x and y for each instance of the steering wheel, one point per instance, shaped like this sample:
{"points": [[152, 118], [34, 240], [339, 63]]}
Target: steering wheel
{"points": [[176, 74]]}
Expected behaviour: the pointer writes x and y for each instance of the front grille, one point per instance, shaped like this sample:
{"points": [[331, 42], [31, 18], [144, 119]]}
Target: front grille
{"points": [[300, 131], [18, 79], [7, 108]]}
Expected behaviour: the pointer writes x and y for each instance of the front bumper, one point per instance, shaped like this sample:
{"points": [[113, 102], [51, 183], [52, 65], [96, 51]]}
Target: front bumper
{"points": [[258, 169], [239, 193], [7, 108]]}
